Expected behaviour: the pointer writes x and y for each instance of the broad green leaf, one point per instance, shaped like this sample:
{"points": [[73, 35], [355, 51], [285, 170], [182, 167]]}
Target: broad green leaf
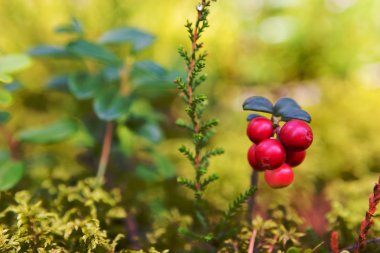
{"points": [[86, 49], [146, 173], [52, 133], [13, 63], [83, 85], [73, 27], [253, 116], [284, 104], [137, 38], [11, 171], [5, 78], [4, 117], [149, 79], [259, 104], [50, 51], [300, 114], [5, 98], [109, 104], [164, 167]]}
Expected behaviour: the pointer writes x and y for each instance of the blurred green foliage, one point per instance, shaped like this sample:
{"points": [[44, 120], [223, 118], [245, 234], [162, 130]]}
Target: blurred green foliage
{"points": [[323, 53]]}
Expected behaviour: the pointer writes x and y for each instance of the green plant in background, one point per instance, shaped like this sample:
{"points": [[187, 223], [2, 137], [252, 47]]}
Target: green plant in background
{"points": [[118, 88]]}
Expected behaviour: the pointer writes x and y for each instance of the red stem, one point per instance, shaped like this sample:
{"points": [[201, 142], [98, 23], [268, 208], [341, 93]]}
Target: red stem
{"points": [[105, 151]]}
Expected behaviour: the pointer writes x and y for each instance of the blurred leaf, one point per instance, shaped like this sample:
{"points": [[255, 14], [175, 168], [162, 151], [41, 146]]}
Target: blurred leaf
{"points": [[4, 117], [151, 132], [13, 86], [5, 98], [83, 85], [293, 250], [86, 49], [253, 116], [290, 114], [147, 173], [59, 83], [73, 27], [136, 37], [164, 167], [259, 104], [11, 171], [109, 104], [52, 133], [13, 63], [111, 74], [5, 78], [283, 104], [150, 79], [50, 51]]}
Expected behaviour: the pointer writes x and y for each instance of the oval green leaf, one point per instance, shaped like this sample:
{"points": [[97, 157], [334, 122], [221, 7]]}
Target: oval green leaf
{"points": [[13, 63], [52, 133], [83, 85], [11, 171], [259, 104], [86, 49], [136, 37], [149, 79], [50, 51], [284, 104], [300, 114], [109, 104]]}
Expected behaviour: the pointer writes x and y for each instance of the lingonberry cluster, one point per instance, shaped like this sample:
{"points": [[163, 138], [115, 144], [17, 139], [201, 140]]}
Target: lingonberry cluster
{"points": [[277, 147]]}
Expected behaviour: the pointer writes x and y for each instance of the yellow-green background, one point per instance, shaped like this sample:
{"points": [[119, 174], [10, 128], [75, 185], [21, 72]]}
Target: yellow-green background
{"points": [[323, 53]]}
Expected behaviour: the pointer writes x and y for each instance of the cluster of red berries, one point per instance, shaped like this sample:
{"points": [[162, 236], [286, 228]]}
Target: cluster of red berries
{"points": [[277, 156]]}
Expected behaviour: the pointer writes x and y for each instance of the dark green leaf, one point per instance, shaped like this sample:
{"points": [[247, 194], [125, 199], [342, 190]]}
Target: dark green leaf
{"points": [[259, 104], [73, 27], [52, 133], [290, 114], [150, 79], [283, 104], [109, 104], [164, 167], [146, 173], [11, 171], [83, 85], [86, 49], [137, 38], [253, 116], [59, 83], [50, 51], [4, 117], [111, 74]]}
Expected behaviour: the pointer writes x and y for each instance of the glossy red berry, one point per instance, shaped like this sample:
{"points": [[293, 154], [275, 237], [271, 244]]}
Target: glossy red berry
{"points": [[259, 129], [280, 177], [252, 158], [295, 158], [270, 154], [296, 135]]}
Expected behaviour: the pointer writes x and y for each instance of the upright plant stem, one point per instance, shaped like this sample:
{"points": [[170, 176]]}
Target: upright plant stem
{"points": [[105, 152], [252, 199]]}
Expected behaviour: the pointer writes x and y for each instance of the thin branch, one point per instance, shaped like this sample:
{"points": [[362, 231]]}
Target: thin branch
{"points": [[252, 241], [353, 247], [105, 152]]}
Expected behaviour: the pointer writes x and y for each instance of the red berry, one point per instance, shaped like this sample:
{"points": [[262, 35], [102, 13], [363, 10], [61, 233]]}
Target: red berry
{"points": [[295, 158], [280, 177], [296, 135], [270, 154], [259, 129], [252, 158]]}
